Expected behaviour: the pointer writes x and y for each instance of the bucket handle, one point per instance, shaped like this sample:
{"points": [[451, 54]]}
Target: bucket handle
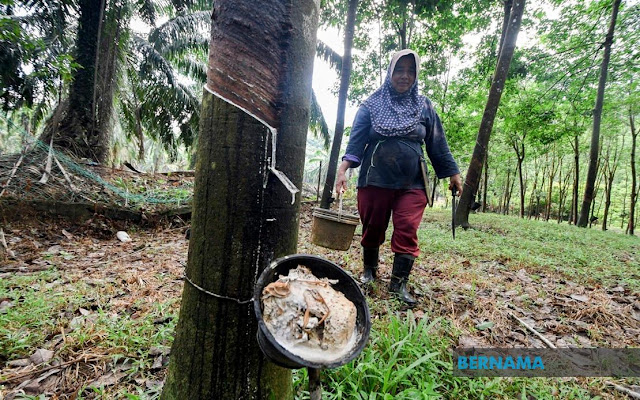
{"points": [[340, 206]]}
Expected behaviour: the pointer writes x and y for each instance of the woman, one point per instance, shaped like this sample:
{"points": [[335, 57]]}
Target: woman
{"points": [[386, 142]]}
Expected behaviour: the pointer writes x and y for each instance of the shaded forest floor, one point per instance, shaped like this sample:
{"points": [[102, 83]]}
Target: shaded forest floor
{"points": [[83, 315]]}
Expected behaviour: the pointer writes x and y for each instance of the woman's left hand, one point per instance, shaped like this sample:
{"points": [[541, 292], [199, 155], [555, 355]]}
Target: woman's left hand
{"points": [[456, 181]]}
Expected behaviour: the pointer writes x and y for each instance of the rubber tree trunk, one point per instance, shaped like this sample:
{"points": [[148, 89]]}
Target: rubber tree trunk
{"points": [[243, 215], [521, 181], [485, 185], [592, 171], [573, 218], [484, 133], [81, 123], [345, 75], [634, 183]]}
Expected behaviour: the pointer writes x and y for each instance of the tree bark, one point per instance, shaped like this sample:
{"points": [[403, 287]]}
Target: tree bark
{"points": [[634, 183], [537, 192], [243, 216], [521, 187], [486, 125], [345, 74], [82, 123], [503, 198], [610, 167], [597, 115], [573, 218], [486, 184], [520, 154], [552, 175]]}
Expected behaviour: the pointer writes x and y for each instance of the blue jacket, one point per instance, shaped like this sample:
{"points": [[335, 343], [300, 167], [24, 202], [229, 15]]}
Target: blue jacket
{"points": [[394, 162]]}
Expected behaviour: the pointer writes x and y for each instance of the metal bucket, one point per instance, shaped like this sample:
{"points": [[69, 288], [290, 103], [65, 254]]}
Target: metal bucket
{"points": [[321, 268], [332, 229]]}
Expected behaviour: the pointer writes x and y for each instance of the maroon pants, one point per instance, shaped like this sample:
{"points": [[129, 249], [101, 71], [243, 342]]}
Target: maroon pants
{"points": [[376, 205]]}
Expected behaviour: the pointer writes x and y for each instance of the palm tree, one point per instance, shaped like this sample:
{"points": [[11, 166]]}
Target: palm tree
{"points": [[163, 74], [152, 84], [153, 95]]}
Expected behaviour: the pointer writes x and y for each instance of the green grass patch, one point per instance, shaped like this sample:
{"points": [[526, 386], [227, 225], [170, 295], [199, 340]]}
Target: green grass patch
{"points": [[409, 359], [33, 315], [588, 256]]}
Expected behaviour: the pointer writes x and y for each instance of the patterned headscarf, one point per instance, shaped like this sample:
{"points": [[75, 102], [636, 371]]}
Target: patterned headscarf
{"points": [[393, 113]]}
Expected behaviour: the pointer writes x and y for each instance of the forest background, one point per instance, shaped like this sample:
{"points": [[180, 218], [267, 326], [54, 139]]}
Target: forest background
{"points": [[148, 113]]}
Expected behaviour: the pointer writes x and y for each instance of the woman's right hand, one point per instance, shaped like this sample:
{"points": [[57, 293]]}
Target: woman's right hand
{"points": [[341, 177], [341, 183]]}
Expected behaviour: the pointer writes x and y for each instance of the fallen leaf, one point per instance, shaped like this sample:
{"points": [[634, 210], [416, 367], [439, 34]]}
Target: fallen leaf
{"points": [[157, 362], [53, 250], [154, 351], [584, 341], [153, 384], [580, 297], [76, 322], [41, 356], [23, 362], [468, 341], [581, 325], [419, 315], [523, 276], [67, 234], [485, 325], [108, 379], [5, 304]]}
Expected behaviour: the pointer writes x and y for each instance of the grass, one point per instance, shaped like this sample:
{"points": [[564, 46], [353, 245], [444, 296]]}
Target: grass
{"points": [[588, 256], [409, 358], [31, 319], [42, 310]]}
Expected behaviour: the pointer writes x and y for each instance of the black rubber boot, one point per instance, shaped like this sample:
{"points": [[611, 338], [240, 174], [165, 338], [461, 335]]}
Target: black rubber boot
{"points": [[370, 257], [402, 264]]}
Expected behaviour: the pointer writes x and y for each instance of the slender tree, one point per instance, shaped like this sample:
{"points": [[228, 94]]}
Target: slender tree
{"points": [[583, 219], [634, 183], [345, 74], [243, 214], [493, 101]]}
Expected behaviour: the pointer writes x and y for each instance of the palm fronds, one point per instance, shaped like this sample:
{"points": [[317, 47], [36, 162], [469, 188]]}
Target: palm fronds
{"points": [[317, 123], [328, 54]]}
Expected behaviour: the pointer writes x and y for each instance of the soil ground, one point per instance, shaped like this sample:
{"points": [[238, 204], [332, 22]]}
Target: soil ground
{"points": [[103, 279]]}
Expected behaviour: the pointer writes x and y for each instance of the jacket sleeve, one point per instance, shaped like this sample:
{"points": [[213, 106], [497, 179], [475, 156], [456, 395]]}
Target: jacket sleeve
{"points": [[359, 137], [436, 144]]}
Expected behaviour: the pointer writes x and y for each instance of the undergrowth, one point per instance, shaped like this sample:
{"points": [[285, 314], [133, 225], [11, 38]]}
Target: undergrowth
{"points": [[411, 359]]}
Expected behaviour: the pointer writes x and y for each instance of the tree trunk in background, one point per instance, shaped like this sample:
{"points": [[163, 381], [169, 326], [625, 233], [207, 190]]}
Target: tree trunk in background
{"points": [[520, 154], [610, 167], [520, 180], [564, 187], [243, 216], [537, 192], [532, 196], [573, 217], [596, 186], [607, 200], [505, 193], [597, 115], [345, 74], [486, 125], [552, 175], [634, 182], [486, 184], [80, 124]]}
